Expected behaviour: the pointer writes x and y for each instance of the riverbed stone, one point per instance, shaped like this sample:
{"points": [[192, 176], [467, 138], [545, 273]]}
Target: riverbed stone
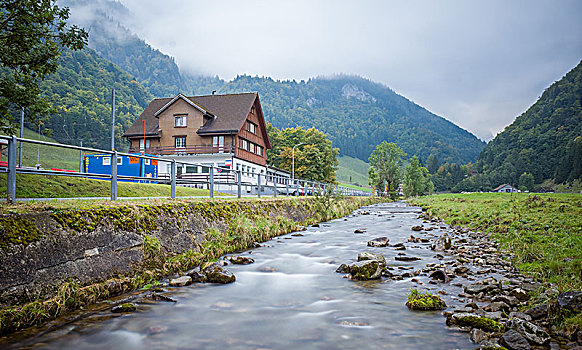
{"points": [[181, 281], [406, 258], [477, 335], [379, 242], [497, 306], [125, 307], [372, 256], [241, 260], [571, 301], [530, 331], [474, 321], [217, 274], [520, 294], [365, 270], [442, 243], [440, 275], [477, 288], [538, 312], [512, 340]]}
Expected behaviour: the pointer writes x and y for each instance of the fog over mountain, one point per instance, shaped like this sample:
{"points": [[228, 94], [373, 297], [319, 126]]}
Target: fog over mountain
{"points": [[478, 64]]}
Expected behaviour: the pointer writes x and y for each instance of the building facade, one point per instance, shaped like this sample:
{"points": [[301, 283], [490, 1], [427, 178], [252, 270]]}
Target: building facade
{"points": [[227, 131]]}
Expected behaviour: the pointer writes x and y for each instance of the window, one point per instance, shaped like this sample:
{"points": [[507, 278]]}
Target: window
{"points": [[244, 144], [141, 144], [218, 142], [180, 121], [180, 142], [147, 161], [119, 160], [251, 147], [106, 160], [191, 169], [251, 127], [259, 150]]}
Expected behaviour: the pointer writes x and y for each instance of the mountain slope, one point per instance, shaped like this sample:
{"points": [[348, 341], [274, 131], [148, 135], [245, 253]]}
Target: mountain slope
{"points": [[545, 141], [81, 90], [357, 114]]}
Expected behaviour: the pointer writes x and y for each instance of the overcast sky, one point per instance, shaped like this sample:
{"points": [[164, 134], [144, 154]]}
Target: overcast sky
{"points": [[478, 64]]}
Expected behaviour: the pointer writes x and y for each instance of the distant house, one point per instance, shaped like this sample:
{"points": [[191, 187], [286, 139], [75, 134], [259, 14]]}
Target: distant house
{"points": [[505, 188], [214, 130]]}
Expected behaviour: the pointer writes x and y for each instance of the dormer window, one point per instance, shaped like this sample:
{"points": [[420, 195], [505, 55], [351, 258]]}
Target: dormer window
{"points": [[180, 121]]}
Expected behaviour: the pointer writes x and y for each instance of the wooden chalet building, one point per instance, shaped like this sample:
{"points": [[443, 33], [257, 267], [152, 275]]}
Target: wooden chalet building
{"points": [[220, 130]]}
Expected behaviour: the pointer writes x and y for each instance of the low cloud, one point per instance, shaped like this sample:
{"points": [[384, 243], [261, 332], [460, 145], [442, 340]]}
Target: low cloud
{"points": [[476, 64]]}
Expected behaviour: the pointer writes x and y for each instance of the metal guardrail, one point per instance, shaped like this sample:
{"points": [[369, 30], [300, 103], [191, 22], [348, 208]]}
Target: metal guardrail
{"points": [[216, 176]]}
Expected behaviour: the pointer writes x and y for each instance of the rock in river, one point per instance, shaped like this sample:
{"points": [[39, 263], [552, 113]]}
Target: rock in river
{"points": [[442, 243], [241, 260], [417, 228], [406, 258], [530, 331], [126, 307], [365, 270], [181, 281], [514, 341], [371, 256], [217, 274], [379, 242]]}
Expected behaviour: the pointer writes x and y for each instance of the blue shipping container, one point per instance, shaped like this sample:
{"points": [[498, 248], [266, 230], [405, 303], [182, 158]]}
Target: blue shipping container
{"points": [[128, 166]]}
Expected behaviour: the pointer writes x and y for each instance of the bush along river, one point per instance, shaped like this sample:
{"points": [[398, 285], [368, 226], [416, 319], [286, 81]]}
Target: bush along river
{"points": [[307, 290]]}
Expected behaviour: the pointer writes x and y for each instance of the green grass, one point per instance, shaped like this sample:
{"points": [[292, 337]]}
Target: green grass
{"points": [[47, 156], [353, 168], [47, 186], [365, 189], [544, 231]]}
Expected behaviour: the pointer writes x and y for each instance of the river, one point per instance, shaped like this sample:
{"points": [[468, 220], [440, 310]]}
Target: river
{"points": [[290, 298]]}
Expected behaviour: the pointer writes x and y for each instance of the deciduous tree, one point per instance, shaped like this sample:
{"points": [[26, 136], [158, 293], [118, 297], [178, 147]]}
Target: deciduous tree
{"points": [[386, 160], [416, 179], [33, 33]]}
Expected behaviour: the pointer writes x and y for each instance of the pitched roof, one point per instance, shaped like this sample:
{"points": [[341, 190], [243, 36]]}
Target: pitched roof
{"points": [[230, 110], [500, 187]]}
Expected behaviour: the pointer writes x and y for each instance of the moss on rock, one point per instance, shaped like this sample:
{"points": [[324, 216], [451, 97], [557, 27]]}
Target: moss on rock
{"points": [[425, 301], [16, 230]]}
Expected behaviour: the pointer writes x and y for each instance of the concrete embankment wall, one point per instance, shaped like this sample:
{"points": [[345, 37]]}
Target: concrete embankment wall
{"points": [[42, 250]]}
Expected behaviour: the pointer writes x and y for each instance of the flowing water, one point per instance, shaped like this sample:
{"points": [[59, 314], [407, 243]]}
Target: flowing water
{"points": [[291, 297]]}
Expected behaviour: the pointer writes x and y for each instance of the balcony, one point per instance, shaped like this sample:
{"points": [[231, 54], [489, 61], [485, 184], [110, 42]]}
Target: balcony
{"points": [[195, 149]]}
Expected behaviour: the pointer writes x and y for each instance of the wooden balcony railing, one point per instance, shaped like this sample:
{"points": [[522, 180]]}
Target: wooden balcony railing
{"points": [[195, 149]]}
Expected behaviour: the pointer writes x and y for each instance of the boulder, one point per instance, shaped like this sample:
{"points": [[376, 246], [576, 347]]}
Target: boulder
{"points": [[477, 335], [217, 274], [520, 294], [365, 270], [440, 275], [474, 321], [477, 288], [570, 301], [241, 260], [406, 258], [497, 306], [125, 307], [442, 243], [538, 312], [196, 275], [359, 230], [512, 340], [181, 281], [425, 301], [378, 242], [372, 256], [490, 345], [417, 228], [530, 331]]}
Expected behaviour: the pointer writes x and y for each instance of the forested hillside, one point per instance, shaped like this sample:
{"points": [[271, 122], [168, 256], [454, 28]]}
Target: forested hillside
{"points": [[81, 90], [357, 114], [545, 141]]}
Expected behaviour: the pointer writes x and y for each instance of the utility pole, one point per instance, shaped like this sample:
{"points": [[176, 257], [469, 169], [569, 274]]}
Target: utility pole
{"points": [[21, 136], [113, 120]]}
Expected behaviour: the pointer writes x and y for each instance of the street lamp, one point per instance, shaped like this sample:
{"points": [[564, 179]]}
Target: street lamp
{"points": [[293, 163]]}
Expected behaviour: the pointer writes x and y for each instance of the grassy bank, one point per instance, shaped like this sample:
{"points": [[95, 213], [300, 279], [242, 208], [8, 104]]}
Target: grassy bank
{"points": [[46, 186], [544, 231]]}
